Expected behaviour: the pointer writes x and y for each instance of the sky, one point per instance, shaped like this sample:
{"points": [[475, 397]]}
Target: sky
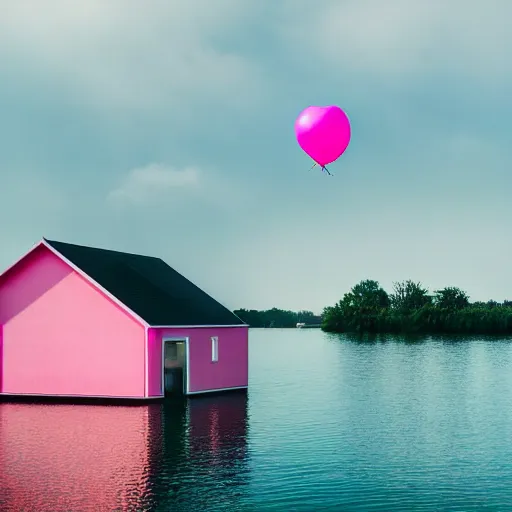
{"points": [[166, 128]]}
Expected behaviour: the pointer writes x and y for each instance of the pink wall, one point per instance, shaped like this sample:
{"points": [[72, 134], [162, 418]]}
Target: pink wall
{"points": [[230, 371], [61, 336]]}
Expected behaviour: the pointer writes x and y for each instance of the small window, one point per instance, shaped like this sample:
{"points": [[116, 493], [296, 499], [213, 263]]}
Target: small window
{"points": [[215, 349]]}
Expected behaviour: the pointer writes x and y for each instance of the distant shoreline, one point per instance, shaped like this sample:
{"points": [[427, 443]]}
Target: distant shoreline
{"points": [[278, 318], [292, 327], [409, 309]]}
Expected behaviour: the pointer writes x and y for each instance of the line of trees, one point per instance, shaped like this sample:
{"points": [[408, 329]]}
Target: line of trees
{"points": [[410, 308], [275, 317]]}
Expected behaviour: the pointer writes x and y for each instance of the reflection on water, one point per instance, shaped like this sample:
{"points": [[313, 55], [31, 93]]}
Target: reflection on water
{"points": [[172, 456], [61, 458], [330, 423], [203, 462]]}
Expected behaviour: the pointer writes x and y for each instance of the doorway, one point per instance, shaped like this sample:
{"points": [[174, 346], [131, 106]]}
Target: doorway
{"points": [[174, 371]]}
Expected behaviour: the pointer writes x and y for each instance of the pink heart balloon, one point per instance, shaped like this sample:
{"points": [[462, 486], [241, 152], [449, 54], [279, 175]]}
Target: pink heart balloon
{"points": [[323, 133]]}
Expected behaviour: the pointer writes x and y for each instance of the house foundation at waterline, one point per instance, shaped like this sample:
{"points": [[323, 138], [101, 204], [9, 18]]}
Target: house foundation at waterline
{"points": [[79, 321]]}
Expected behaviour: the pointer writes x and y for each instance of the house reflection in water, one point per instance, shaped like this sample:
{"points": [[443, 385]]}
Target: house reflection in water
{"points": [[56, 458], [204, 463]]}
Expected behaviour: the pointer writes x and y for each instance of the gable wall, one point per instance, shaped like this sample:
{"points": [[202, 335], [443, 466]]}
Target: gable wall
{"points": [[62, 336]]}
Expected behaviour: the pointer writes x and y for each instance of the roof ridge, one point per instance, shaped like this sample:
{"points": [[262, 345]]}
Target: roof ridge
{"points": [[90, 247]]}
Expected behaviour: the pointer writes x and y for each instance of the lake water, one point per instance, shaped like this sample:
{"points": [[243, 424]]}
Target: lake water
{"points": [[329, 424]]}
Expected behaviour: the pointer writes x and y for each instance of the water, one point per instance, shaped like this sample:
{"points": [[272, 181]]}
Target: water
{"points": [[329, 424]]}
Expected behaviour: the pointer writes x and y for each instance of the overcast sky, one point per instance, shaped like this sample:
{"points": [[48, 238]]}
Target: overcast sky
{"points": [[165, 127]]}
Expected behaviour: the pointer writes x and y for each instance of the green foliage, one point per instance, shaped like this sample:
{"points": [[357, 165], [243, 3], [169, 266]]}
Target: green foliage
{"points": [[451, 298], [276, 317], [409, 297], [410, 309], [367, 297], [359, 310]]}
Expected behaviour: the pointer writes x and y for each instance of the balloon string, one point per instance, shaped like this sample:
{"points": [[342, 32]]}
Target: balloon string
{"points": [[324, 169]]}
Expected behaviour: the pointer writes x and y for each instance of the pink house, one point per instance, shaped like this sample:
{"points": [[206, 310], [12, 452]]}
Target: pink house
{"points": [[78, 321]]}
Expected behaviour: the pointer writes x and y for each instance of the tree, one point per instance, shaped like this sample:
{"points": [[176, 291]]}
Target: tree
{"points": [[408, 297], [269, 318], [366, 297], [361, 307], [333, 319], [307, 317], [451, 298]]}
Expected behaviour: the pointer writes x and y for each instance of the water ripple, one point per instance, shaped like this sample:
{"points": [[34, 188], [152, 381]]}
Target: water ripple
{"points": [[329, 424]]}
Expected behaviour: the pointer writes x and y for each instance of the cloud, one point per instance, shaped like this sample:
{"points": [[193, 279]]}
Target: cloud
{"points": [[152, 182], [118, 54], [398, 38]]}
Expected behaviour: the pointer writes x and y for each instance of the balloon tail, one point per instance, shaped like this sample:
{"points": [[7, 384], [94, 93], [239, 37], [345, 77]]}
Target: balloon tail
{"points": [[323, 167]]}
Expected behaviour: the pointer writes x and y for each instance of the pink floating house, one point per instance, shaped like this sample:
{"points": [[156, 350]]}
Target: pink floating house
{"points": [[78, 321]]}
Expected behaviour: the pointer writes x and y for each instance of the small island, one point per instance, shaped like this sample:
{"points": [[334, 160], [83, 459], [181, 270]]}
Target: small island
{"points": [[409, 309]]}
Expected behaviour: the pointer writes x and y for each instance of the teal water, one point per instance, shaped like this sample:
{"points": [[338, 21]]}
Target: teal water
{"points": [[329, 424]]}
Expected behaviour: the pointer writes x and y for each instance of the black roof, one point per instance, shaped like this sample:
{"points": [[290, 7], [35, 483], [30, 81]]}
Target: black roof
{"points": [[148, 286]]}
